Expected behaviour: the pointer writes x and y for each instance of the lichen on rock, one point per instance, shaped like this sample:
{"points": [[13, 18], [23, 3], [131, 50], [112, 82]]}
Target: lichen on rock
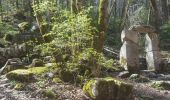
{"points": [[20, 75]]}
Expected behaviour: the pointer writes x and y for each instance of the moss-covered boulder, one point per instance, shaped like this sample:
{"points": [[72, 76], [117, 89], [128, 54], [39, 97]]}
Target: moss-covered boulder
{"points": [[108, 89], [20, 75], [37, 63], [39, 70]]}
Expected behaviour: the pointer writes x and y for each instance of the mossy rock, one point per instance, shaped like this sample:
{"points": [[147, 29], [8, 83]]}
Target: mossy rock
{"points": [[20, 75], [39, 70], [108, 89], [57, 80], [161, 85]]}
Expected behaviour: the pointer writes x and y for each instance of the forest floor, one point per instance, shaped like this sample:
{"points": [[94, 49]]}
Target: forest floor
{"points": [[66, 91]]}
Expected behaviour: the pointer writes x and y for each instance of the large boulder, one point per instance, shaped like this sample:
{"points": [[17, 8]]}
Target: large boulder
{"points": [[20, 75], [129, 52], [12, 64], [108, 89]]}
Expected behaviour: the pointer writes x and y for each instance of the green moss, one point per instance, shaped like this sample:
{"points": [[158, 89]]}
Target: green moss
{"points": [[39, 70], [19, 86], [20, 75], [79, 79], [57, 80], [87, 88], [49, 93]]}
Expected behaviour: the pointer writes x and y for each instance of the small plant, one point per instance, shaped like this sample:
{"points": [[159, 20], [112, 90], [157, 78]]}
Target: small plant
{"points": [[41, 83], [49, 93], [19, 86]]}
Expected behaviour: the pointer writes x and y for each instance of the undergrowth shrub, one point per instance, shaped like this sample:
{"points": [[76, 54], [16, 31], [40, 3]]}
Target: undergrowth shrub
{"points": [[72, 46]]}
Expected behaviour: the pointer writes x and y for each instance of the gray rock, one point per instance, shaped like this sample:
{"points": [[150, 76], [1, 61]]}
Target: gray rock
{"points": [[48, 59], [12, 64], [149, 74], [124, 74], [129, 54], [165, 63], [37, 63], [152, 52], [138, 78]]}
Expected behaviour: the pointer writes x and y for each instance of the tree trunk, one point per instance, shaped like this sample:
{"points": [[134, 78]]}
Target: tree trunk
{"points": [[165, 10], [156, 14], [1, 10], [102, 25], [39, 20], [76, 5]]}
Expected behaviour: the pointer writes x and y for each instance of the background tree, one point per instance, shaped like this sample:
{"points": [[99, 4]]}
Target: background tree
{"points": [[102, 25]]}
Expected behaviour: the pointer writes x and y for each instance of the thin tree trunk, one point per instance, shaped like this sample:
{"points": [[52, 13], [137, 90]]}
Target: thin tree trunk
{"points": [[102, 23], [17, 4], [76, 6], [39, 20], [124, 15], [165, 10], [156, 13], [1, 10]]}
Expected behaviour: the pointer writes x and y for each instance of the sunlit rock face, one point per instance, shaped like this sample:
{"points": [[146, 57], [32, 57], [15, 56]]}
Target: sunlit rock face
{"points": [[152, 52], [129, 51]]}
